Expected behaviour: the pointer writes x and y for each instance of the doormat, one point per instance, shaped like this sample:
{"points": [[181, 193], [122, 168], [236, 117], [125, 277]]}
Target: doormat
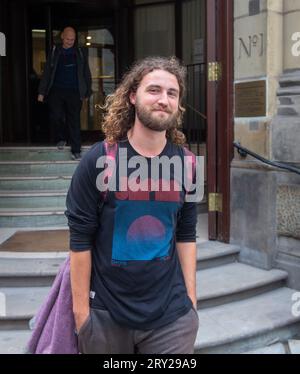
{"points": [[37, 241]]}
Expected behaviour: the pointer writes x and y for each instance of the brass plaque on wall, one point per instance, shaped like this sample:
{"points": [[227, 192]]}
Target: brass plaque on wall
{"points": [[250, 99]]}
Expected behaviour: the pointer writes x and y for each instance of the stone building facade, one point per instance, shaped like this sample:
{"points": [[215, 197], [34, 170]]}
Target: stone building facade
{"points": [[265, 201]]}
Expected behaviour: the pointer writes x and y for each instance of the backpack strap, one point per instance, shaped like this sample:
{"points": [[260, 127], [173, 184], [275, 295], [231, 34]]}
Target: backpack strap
{"points": [[189, 168]]}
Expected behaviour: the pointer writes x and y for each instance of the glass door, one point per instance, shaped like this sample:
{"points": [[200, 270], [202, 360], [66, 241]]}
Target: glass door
{"points": [[39, 124], [100, 47], [101, 56], [94, 26]]}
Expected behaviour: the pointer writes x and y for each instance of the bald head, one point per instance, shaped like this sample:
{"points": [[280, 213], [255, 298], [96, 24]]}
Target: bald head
{"points": [[68, 37]]}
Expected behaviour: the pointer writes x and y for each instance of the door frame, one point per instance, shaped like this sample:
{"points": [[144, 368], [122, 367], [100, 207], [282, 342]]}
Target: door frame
{"points": [[220, 115]]}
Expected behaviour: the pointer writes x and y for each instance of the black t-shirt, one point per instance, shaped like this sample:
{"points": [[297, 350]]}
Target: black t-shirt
{"points": [[136, 273], [66, 76]]}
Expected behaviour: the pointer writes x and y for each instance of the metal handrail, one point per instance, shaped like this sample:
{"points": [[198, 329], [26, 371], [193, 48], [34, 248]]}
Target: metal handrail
{"points": [[243, 152]]}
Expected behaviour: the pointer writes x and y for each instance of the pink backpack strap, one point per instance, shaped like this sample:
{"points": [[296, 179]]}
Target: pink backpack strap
{"points": [[111, 149], [189, 167]]}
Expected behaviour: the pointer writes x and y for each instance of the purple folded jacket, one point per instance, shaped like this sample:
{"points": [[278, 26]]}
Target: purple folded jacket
{"points": [[54, 327]]}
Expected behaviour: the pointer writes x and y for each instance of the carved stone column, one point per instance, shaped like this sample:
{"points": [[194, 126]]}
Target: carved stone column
{"points": [[265, 201], [258, 36], [286, 147]]}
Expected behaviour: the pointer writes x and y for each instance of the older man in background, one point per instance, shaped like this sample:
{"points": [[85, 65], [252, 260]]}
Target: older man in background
{"points": [[65, 84]]}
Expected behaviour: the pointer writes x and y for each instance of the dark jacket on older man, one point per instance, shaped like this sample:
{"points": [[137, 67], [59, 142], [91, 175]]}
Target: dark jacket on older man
{"points": [[52, 66]]}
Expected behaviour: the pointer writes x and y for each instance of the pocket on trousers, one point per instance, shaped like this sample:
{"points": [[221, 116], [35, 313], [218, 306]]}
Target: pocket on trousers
{"points": [[84, 335], [85, 325], [195, 311], [195, 315]]}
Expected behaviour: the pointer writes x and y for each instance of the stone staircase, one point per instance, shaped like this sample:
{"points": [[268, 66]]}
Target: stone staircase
{"points": [[33, 185], [241, 308]]}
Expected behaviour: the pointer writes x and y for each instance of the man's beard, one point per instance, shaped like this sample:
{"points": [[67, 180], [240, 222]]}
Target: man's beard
{"points": [[153, 122]]}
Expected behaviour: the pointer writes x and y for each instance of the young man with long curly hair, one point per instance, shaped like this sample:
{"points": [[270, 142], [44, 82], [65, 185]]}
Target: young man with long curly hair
{"points": [[133, 250]]}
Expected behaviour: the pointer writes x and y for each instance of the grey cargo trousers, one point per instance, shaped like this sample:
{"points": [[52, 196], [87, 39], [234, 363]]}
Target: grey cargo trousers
{"points": [[100, 334]]}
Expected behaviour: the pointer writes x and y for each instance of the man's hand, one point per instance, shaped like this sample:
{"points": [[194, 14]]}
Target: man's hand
{"points": [[41, 98], [194, 302], [80, 319]]}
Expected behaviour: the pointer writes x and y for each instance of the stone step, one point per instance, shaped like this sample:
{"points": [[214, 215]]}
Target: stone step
{"points": [[37, 153], [39, 268], [29, 270], [290, 79], [273, 349], [212, 253], [37, 168], [233, 282], [247, 325], [18, 305], [33, 199], [289, 110], [294, 346], [32, 217], [14, 342], [35, 183]]}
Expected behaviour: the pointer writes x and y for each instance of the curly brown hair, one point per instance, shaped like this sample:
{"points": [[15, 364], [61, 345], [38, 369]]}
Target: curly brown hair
{"points": [[120, 113]]}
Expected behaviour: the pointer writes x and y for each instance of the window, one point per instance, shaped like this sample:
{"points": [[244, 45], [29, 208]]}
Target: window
{"points": [[154, 30], [101, 57], [38, 51]]}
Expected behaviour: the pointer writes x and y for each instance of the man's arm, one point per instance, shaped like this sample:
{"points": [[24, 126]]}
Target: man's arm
{"points": [[186, 247], [82, 213], [187, 254], [80, 269]]}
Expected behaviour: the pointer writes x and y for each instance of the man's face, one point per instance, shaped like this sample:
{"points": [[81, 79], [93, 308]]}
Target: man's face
{"points": [[157, 100], [68, 38]]}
